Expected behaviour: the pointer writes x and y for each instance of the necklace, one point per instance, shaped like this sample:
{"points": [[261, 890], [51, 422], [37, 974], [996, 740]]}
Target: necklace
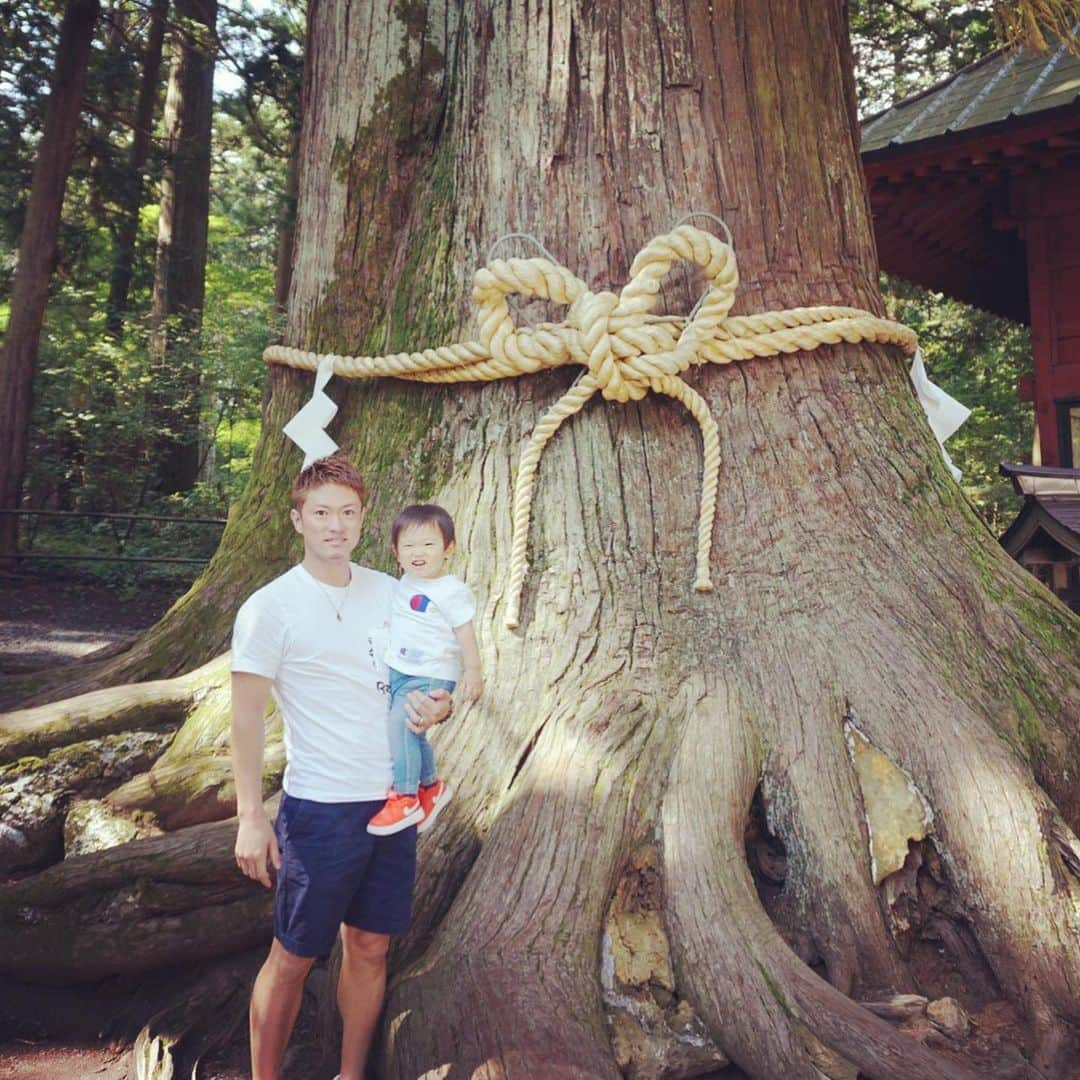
{"points": [[338, 608]]}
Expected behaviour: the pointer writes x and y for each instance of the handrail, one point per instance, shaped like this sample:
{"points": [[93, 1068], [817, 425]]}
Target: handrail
{"points": [[120, 517]]}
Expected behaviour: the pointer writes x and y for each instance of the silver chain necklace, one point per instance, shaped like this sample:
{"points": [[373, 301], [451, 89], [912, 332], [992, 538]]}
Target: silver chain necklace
{"points": [[338, 608]]}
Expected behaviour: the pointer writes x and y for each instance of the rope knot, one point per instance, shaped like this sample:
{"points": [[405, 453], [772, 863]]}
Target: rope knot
{"points": [[623, 344], [615, 377]]}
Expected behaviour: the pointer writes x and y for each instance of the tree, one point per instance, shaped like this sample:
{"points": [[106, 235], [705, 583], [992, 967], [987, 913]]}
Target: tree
{"points": [[180, 271], [37, 251], [665, 806], [265, 49], [902, 47], [129, 199]]}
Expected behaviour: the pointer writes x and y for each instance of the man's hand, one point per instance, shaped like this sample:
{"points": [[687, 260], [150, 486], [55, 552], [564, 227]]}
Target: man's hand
{"points": [[255, 843], [471, 685], [424, 710]]}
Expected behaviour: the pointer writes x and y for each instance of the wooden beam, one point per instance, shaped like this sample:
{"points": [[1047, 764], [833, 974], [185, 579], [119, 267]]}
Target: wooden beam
{"points": [[1014, 134]]}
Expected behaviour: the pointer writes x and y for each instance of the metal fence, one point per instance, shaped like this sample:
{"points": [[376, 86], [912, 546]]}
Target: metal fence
{"points": [[121, 540]]}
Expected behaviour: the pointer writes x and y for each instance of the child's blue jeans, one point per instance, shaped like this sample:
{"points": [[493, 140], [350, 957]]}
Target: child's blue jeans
{"points": [[414, 761]]}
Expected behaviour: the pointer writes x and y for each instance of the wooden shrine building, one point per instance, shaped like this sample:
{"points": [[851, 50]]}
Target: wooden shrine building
{"points": [[1045, 537], [975, 192]]}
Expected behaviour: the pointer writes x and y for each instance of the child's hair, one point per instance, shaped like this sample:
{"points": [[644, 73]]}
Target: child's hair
{"points": [[335, 469], [422, 514]]}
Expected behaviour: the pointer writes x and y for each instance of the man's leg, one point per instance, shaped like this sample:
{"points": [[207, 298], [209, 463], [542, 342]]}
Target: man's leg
{"points": [[275, 1001], [361, 987]]}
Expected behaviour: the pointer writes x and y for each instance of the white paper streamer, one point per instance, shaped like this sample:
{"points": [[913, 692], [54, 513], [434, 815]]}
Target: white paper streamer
{"points": [[307, 427], [945, 414]]}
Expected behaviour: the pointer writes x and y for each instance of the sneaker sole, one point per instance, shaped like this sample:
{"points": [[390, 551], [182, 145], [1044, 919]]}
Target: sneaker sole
{"points": [[435, 808], [399, 826]]}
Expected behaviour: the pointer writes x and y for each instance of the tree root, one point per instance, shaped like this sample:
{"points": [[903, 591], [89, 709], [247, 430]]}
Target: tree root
{"points": [[198, 1021], [151, 903], [779, 998], [1002, 844], [93, 745], [144, 706], [35, 792], [192, 782], [512, 971]]}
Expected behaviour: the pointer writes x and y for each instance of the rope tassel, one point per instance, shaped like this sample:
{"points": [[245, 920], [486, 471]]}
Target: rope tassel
{"points": [[626, 351]]}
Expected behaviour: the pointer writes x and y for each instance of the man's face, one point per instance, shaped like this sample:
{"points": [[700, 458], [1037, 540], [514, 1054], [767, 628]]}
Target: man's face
{"points": [[329, 521]]}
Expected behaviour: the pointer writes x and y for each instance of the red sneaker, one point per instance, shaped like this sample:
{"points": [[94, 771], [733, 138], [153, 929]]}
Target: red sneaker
{"points": [[399, 813], [432, 799]]}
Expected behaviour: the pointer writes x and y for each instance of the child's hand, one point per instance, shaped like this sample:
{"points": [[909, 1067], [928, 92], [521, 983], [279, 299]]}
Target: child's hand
{"points": [[471, 686]]}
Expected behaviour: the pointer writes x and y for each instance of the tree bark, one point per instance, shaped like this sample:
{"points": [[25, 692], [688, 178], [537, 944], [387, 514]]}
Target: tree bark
{"points": [[130, 197], [856, 592], [37, 253], [287, 234], [149, 904], [180, 269]]}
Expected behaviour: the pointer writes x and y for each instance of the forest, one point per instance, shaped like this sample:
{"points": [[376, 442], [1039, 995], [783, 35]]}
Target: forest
{"points": [[185, 184]]}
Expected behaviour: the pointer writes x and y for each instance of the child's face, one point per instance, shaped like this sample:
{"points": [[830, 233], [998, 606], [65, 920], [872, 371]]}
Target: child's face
{"points": [[422, 552]]}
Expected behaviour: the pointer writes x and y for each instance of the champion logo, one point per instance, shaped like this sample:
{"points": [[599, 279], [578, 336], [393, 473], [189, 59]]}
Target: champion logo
{"points": [[419, 602]]}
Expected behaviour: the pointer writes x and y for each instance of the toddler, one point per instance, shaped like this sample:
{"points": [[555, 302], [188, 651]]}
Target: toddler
{"points": [[432, 646]]}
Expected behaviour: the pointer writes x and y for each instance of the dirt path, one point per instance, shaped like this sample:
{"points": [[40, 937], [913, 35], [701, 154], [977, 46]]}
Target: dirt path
{"points": [[46, 621], [24, 1060]]}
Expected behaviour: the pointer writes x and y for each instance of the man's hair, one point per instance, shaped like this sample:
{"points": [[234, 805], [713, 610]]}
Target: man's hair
{"points": [[335, 469], [422, 514]]}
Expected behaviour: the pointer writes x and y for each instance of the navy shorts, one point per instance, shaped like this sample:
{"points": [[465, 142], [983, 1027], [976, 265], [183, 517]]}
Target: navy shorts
{"points": [[334, 871]]}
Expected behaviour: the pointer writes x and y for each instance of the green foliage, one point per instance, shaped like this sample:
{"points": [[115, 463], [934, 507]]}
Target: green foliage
{"points": [[92, 433], [903, 46], [28, 37], [93, 428], [978, 359]]}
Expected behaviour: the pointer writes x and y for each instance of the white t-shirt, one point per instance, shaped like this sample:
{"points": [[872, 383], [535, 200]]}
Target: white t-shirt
{"points": [[329, 678], [423, 616]]}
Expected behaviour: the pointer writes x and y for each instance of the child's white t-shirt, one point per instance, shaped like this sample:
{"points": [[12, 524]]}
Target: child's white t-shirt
{"points": [[329, 679], [423, 616]]}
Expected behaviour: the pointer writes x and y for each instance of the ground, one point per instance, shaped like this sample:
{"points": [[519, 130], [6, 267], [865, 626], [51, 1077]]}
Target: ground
{"points": [[46, 620]]}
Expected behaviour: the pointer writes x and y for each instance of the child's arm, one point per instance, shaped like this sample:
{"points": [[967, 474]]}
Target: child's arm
{"points": [[472, 680]]}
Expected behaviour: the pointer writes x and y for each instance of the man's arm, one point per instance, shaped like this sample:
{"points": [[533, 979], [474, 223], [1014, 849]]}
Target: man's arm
{"points": [[472, 679], [255, 841]]}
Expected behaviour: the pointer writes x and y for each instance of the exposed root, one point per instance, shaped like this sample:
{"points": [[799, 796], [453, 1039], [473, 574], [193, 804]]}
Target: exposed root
{"points": [[512, 972], [35, 792], [148, 904], [1002, 844], [141, 706], [199, 1020], [119, 744], [779, 998]]}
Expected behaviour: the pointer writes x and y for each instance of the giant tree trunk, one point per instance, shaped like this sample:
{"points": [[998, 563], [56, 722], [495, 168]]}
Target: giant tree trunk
{"points": [[180, 270], [739, 772], [37, 252]]}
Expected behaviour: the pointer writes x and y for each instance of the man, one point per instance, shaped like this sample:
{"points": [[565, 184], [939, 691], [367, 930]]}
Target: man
{"points": [[315, 637]]}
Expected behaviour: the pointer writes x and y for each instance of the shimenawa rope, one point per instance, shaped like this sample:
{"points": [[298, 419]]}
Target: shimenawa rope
{"points": [[625, 349]]}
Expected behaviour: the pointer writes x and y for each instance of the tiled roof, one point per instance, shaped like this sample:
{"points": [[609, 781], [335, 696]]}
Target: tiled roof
{"points": [[1001, 86], [1065, 511]]}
